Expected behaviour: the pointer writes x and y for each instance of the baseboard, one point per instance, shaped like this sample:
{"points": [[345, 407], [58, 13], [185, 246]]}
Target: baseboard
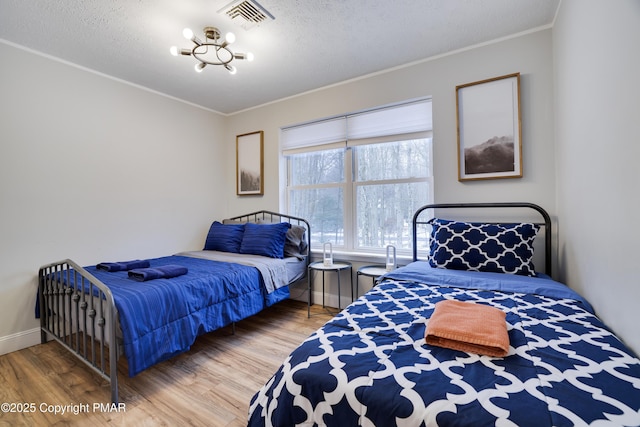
{"points": [[20, 340]]}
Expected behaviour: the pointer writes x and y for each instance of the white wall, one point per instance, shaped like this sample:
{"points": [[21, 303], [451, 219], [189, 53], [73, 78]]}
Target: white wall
{"points": [[597, 65], [528, 54], [94, 170]]}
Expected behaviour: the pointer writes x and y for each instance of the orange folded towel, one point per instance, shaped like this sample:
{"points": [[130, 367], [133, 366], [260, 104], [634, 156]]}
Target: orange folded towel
{"points": [[470, 327]]}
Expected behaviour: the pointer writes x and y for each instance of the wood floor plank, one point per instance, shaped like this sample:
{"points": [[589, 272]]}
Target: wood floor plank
{"points": [[210, 385]]}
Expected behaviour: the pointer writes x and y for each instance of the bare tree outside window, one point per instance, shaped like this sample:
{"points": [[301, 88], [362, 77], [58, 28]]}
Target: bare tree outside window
{"points": [[387, 183]]}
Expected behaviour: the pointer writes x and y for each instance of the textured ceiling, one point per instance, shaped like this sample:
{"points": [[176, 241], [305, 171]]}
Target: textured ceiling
{"points": [[310, 44]]}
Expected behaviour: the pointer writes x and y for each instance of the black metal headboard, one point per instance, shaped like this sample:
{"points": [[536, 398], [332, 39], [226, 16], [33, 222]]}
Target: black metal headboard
{"points": [[545, 216], [269, 216]]}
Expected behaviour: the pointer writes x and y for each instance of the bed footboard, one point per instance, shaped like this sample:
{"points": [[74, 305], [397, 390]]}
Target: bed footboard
{"points": [[79, 312]]}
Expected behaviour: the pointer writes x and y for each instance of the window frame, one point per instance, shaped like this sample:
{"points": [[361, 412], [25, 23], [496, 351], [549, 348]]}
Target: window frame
{"points": [[350, 185]]}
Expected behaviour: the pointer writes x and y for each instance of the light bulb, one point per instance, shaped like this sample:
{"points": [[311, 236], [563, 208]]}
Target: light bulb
{"points": [[174, 50], [200, 66], [231, 68], [249, 56], [230, 38], [187, 33]]}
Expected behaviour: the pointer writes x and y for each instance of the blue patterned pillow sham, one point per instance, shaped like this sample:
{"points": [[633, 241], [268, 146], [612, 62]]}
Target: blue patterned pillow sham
{"points": [[498, 248], [264, 239], [224, 237]]}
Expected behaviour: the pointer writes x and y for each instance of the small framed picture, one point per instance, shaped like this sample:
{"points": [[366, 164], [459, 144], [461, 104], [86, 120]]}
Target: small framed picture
{"points": [[250, 164], [489, 132]]}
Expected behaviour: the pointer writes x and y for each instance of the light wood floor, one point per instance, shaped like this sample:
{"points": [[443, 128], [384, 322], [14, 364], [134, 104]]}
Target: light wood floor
{"points": [[210, 385]]}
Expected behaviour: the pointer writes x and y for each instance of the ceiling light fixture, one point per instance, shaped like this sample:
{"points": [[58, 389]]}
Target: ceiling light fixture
{"points": [[212, 51]]}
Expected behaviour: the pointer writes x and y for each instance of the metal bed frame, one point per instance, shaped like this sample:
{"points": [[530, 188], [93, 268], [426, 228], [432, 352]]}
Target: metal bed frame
{"points": [[546, 223], [269, 216], [71, 315], [78, 310]]}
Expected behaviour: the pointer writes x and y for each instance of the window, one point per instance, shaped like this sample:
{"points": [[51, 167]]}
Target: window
{"points": [[359, 178]]}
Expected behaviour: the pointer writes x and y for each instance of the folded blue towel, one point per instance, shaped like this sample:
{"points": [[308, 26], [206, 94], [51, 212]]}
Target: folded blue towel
{"points": [[123, 265], [162, 272]]}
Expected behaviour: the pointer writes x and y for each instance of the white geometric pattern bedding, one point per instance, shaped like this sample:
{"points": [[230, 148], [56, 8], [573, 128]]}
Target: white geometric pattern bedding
{"points": [[370, 366]]}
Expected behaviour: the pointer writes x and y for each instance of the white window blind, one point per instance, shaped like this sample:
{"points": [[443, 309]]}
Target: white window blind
{"points": [[405, 118], [315, 134], [395, 120]]}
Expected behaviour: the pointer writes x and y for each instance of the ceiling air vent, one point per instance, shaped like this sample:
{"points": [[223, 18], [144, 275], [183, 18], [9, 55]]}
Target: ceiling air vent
{"points": [[246, 13]]}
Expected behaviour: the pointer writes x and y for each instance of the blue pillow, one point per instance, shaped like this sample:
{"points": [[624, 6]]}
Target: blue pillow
{"points": [[224, 237], [295, 244], [264, 239], [498, 248]]}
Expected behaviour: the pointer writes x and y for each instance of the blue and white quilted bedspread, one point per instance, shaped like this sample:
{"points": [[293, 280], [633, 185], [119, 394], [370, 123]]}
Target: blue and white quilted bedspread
{"points": [[370, 365]]}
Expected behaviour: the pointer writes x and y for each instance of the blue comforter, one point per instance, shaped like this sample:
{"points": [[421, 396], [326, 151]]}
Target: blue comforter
{"points": [[370, 365], [161, 318], [542, 284]]}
